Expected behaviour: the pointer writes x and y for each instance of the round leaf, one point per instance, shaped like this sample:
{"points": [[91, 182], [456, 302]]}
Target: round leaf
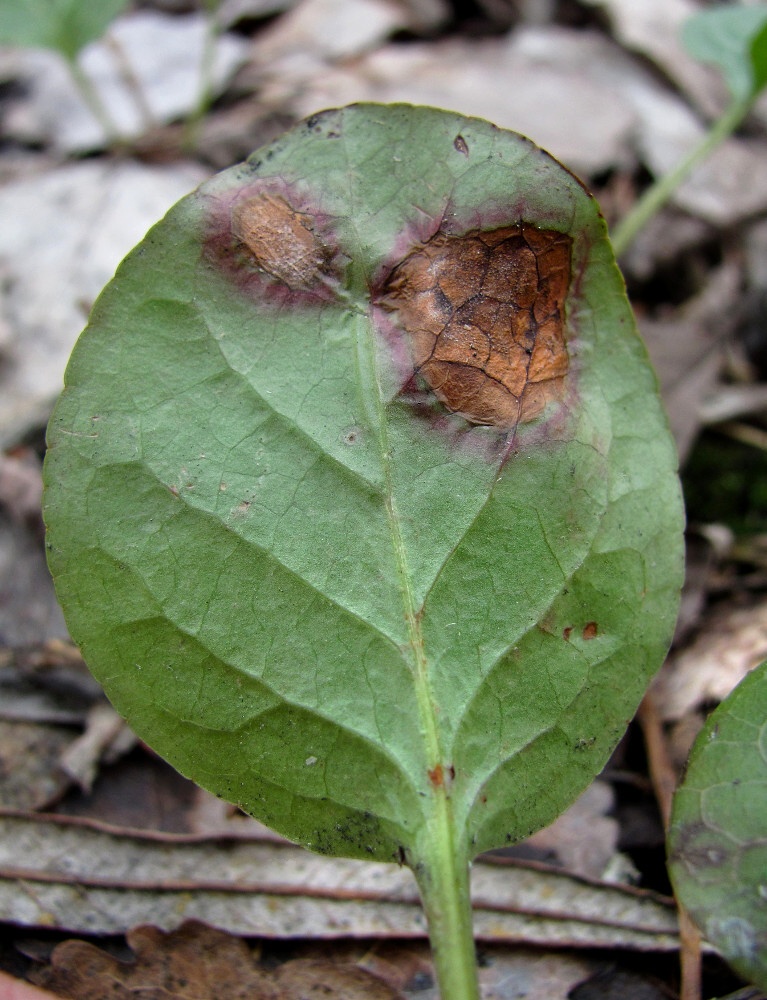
{"points": [[718, 833], [360, 492], [64, 25], [733, 39]]}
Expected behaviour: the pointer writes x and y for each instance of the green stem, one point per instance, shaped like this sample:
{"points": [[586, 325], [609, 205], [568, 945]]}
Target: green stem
{"points": [[658, 193], [442, 870], [97, 107], [205, 92]]}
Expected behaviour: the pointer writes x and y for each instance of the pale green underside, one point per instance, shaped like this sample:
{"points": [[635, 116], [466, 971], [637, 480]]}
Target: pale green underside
{"points": [[223, 550]]}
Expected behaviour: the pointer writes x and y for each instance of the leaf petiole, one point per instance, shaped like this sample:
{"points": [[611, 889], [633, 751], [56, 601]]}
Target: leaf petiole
{"points": [[441, 868], [95, 104], [656, 196]]}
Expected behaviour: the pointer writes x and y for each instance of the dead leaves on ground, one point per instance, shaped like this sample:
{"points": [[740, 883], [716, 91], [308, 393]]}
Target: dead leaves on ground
{"points": [[197, 962], [75, 875]]}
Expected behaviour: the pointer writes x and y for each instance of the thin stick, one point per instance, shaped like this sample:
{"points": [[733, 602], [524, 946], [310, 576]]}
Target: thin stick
{"points": [[131, 81], [664, 780], [744, 433]]}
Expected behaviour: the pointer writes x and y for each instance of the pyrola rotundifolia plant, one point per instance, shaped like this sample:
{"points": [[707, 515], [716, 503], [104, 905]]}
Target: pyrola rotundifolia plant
{"points": [[361, 502]]}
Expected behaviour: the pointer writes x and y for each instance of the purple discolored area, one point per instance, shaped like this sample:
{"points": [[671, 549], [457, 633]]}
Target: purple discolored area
{"points": [[274, 244]]}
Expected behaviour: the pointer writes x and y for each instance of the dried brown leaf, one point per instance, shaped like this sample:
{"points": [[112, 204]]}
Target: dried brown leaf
{"points": [[198, 962], [21, 486], [29, 754], [732, 642], [195, 962], [307, 979]]}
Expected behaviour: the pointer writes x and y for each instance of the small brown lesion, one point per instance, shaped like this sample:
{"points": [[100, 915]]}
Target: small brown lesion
{"points": [[590, 630], [436, 776], [284, 242], [460, 145], [484, 314]]}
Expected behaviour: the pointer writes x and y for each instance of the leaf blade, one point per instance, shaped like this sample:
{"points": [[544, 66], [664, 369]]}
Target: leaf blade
{"points": [[733, 40], [66, 26], [244, 463], [717, 831]]}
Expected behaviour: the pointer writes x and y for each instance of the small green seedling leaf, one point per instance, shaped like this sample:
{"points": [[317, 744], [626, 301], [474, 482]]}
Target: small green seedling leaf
{"points": [[734, 39], [759, 57], [66, 26], [718, 834], [361, 501]]}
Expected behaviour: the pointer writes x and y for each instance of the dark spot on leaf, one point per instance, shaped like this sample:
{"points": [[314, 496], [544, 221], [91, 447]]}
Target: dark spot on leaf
{"points": [[696, 846], [585, 743], [460, 144], [360, 831], [567, 632], [590, 630], [351, 436], [484, 314]]}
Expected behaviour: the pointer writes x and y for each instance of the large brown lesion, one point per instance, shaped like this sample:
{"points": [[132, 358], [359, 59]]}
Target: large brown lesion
{"points": [[484, 314]]}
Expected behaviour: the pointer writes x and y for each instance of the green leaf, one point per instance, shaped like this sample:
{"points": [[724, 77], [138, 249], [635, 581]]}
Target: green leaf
{"points": [[324, 560], [64, 25], [734, 39], [759, 57], [718, 834]]}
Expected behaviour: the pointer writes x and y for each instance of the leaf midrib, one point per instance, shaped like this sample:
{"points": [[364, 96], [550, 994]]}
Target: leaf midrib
{"points": [[375, 409]]}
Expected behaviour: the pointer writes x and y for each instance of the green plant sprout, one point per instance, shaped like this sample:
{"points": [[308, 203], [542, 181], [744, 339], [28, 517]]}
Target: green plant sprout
{"points": [[735, 40], [205, 94], [67, 26], [361, 502]]}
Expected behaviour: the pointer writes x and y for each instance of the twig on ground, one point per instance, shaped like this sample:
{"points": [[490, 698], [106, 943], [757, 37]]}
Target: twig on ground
{"points": [[664, 780]]}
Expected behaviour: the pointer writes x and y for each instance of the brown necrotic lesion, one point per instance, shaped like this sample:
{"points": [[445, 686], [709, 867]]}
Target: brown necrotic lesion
{"points": [[484, 314], [283, 241]]}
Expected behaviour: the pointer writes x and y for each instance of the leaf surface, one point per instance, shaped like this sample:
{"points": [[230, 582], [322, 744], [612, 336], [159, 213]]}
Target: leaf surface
{"points": [[360, 492], [734, 39], [758, 55], [64, 25], [718, 833]]}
